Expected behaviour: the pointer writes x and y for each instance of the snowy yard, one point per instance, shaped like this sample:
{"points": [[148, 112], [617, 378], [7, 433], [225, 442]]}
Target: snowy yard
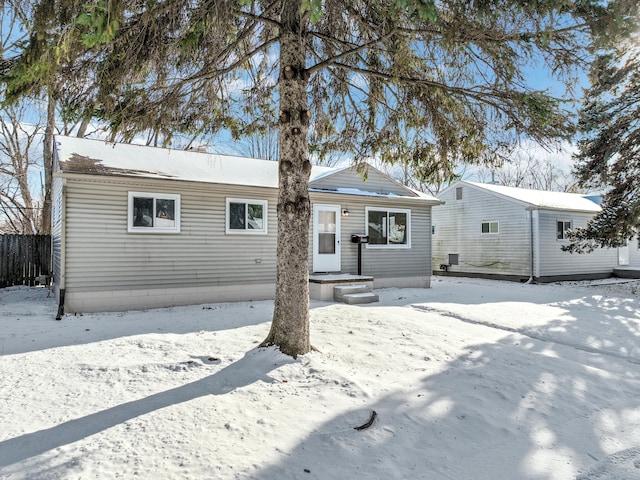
{"points": [[472, 379]]}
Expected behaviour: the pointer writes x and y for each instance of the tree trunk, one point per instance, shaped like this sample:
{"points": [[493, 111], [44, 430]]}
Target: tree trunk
{"points": [[290, 326], [82, 129], [48, 163]]}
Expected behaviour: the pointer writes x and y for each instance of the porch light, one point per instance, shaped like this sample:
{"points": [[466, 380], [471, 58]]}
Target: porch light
{"points": [[345, 212]]}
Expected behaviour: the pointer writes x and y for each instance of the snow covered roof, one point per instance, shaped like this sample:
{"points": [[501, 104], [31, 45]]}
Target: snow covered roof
{"points": [[542, 198], [98, 157]]}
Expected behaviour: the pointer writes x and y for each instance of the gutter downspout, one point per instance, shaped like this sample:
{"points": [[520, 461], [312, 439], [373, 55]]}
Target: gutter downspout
{"points": [[531, 245]]}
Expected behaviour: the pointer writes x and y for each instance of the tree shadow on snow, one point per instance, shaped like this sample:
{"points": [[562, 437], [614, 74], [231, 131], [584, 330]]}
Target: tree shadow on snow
{"points": [[543, 404], [253, 367]]}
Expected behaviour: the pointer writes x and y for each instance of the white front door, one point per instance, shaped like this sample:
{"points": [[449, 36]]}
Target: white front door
{"points": [[623, 255], [326, 238]]}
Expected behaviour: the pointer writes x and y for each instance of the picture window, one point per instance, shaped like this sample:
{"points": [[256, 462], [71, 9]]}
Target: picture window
{"points": [[388, 228]]}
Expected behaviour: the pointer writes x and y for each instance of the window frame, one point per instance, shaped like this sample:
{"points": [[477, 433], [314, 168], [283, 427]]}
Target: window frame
{"points": [[490, 222], [131, 228], [564, 229], [388, 210], [246, 231]]}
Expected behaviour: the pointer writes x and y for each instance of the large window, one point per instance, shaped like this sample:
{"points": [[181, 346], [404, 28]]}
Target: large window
{"points": [[490, 227], [246, 216], [389, 227], [153, 212], [563, 227]]}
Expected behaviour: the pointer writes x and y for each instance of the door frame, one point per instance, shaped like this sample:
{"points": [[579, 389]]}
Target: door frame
{"points": [[623, 254], [319, 260]]}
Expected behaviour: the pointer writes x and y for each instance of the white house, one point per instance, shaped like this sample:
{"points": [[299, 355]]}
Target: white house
{"points": [[139, 227], [514, 233]]}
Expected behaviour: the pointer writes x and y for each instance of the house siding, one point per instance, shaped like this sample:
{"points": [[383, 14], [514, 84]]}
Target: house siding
{"points": [[382, 263], [458, 225], [57, 226], [109, 268], [375, 182], [102, 255], [556, 263]]}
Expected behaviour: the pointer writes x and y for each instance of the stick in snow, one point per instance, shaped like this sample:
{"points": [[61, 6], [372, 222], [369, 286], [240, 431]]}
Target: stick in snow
{"points": [[369, 423]]}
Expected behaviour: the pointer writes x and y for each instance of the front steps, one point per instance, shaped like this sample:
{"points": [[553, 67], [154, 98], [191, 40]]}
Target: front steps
{"points": [[321, 284], [354, 294]]}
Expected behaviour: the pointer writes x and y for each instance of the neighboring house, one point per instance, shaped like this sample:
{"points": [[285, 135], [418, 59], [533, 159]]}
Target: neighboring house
{"points": [[514, 233], [140, 227]]}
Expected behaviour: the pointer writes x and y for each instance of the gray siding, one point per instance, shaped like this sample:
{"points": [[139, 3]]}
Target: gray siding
{"points": [[458, 226], [376, 182], [381, 263], [105, 263], [101, 254], [57, 225], [554, 262]]}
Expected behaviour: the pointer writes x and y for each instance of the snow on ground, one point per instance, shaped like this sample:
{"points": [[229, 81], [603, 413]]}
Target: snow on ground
{"points": [[471, 379]]}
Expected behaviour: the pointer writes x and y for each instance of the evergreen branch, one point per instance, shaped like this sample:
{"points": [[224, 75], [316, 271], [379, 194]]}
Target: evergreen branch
{"points": [[347, 53]]}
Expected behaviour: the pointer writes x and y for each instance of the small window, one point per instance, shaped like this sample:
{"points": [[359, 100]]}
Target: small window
{"points": [[563, 227], [390, 228], [246, 216], [458, 193], [153, 213], [490, 227]]}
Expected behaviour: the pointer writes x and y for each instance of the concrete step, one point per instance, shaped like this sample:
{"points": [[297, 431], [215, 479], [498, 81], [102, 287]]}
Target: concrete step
{"points": [[339, 291], [357, 298]]}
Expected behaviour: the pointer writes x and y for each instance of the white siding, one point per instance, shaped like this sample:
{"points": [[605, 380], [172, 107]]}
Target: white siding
{"points": [[634, 252], [457, 231], [458, 226], [555, 262]]}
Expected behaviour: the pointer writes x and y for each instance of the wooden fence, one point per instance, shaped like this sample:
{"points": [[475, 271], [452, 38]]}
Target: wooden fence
{"points": [[23, 258]]}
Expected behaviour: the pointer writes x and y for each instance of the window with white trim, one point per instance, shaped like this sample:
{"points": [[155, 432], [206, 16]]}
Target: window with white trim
{"points": [[388, 227], [246, 216], [490, 227], [153, 212], [562, 227]]}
